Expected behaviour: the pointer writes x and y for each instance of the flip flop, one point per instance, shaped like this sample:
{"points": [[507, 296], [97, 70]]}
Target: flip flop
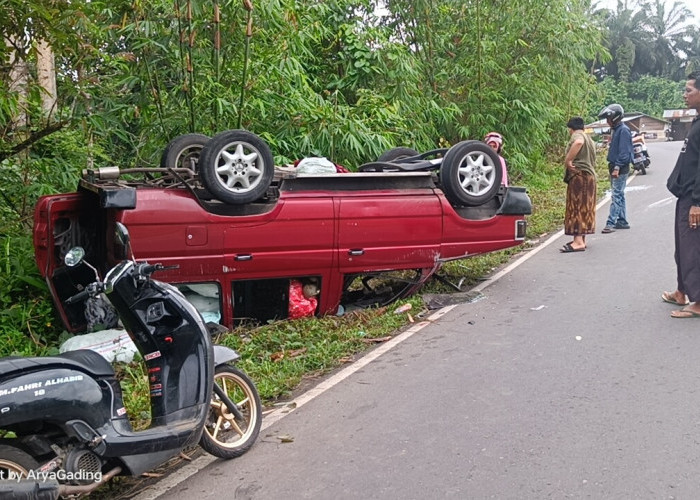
{"points": [[568, 249], [684, 313], [668, 297]]}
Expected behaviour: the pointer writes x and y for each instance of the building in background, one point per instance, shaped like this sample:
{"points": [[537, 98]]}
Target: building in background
{"points": [[650, 126], [679, 123]]}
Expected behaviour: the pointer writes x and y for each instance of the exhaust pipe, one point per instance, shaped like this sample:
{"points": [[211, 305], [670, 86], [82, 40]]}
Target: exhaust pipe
{"points": [[70, 489], [25, 489]]}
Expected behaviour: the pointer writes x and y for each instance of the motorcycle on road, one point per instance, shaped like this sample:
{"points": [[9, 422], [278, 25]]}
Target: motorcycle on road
{"points": [[65, 428], [641, 159]]}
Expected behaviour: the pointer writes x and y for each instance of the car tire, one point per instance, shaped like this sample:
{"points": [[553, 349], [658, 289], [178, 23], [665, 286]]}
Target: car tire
{"points": [[397, 154], [236, 166], [470, 173], [184, 152]]}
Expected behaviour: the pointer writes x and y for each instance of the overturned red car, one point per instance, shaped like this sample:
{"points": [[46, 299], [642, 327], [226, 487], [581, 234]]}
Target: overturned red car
{"points": [[238, 232]]}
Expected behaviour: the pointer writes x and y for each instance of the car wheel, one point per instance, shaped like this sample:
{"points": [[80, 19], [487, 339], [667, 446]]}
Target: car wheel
{"points": [[470, 173], [184, 151], [236, 166], [397, 154]]}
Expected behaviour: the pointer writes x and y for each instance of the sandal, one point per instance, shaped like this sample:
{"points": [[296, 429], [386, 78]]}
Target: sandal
{"points": [[670, 298], [568, 249]]}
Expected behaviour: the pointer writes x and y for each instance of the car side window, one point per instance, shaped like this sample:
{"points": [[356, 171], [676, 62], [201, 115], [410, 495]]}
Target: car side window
{"points": [[205, 297]]}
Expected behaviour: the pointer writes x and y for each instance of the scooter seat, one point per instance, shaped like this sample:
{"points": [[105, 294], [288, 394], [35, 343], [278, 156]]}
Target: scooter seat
{"points": [[83, 360]]}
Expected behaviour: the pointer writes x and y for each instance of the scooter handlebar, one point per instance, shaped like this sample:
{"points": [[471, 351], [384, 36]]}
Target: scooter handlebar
{"points": [[90, 290], [146, 269]]}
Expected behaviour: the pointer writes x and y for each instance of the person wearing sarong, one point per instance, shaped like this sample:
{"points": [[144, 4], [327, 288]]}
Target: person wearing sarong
{"points": [[580, 176]]}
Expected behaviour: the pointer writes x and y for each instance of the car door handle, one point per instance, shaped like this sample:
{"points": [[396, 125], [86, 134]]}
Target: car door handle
{"points": [[355, 252], [241, 257]]}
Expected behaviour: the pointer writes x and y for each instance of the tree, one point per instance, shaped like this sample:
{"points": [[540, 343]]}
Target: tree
{"points": [[46, 76], [520, 70], [627, 40], [666, 28], [690, 45]]}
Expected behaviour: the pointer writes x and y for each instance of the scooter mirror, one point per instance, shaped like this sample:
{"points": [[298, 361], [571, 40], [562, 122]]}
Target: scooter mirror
{"points": [[74, 256], [122, 234]]}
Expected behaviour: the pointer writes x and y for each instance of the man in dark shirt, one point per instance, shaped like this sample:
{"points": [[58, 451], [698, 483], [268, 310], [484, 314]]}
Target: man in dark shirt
{"points": [[684, 183], [620, 155]]}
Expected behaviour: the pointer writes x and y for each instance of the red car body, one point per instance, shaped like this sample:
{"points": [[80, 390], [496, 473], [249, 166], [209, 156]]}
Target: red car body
{"points": [[329, 229]]}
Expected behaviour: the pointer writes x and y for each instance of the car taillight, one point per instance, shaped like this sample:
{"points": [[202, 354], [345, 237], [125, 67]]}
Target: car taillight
{"points": [[520, 229]]}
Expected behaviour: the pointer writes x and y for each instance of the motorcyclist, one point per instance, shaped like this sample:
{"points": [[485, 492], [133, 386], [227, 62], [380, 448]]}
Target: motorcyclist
{"points": [[620, 155]]}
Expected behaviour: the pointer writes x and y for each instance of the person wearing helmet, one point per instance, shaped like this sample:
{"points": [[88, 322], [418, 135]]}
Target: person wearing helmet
{"points": [[495, 141], [684, 184], [620, 155]]}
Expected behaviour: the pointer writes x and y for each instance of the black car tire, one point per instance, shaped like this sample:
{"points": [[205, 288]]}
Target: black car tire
{"points": [[471, 173], [236, 166], [397, 154], [184, 151]]}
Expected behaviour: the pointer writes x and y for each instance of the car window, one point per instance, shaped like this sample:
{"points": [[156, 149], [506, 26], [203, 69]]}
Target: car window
{"points": [[205, 297]]}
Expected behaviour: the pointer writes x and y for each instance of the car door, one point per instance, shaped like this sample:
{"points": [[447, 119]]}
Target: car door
{"points": [[296, 239], [386, 230], [62, 222]]}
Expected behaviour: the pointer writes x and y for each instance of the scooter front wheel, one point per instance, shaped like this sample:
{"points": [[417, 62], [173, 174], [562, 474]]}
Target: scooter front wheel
{"points": [[226, 436]]}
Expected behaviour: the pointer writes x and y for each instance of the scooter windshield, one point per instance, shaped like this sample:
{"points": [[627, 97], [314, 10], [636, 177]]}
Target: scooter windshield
{"points": [[116, 273]]}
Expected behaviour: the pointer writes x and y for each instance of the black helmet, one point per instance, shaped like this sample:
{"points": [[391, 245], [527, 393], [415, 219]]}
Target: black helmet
{"points": [[613, 111]]}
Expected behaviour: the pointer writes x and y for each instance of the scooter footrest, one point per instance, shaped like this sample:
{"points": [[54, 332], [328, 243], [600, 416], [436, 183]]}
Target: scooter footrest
{"points": [[87, 434]]}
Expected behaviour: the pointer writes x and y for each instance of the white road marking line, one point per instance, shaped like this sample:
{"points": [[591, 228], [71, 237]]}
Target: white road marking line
{"points": [[172, 480]]}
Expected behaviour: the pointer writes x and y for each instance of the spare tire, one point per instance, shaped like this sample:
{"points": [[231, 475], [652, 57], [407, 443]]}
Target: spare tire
{"points": [[236, 166], [397, 154], [470, 173], [184, 151]]}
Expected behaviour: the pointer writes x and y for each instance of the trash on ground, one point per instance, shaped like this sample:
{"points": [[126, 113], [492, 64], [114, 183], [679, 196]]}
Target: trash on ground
{"points": [[113, 344], [285, 438], [376, 340], [440, 300], [403, 309], [280, 355]]}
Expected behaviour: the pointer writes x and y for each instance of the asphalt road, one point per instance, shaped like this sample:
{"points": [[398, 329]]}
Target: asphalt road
{"points": [[569, 379]]}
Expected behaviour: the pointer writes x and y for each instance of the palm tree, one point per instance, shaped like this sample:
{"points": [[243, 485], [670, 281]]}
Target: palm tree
{"points": [[666, 28], [691, 48], [626, 36]]}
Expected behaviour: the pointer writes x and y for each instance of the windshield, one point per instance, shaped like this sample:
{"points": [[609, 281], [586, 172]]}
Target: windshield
{"points": [[115, 273]]}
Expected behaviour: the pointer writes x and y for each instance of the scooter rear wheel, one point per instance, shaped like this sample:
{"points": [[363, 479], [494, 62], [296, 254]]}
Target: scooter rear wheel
{"points": [[225, 436], [15, 461]]}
